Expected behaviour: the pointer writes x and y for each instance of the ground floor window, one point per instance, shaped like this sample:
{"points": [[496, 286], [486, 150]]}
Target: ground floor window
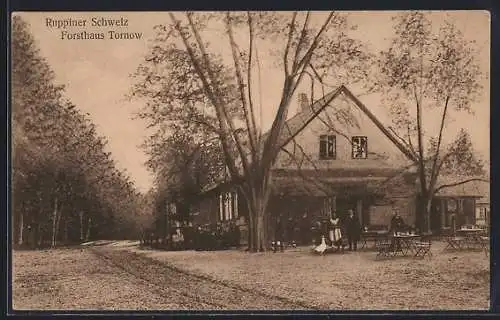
{"points": [[228, 206], [483, 213]]}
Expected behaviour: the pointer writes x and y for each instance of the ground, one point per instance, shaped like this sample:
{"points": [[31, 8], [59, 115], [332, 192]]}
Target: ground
{"points": [[123, 276]]}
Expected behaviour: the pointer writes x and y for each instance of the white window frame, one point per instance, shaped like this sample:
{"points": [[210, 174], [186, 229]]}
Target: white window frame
{"points": [[359, 140], [330, 142], [228, 206]]}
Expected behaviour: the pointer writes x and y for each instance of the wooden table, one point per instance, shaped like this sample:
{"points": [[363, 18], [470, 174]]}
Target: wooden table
{"points": [[375, 236], [393, 245], [404, 243], [472, 237]]}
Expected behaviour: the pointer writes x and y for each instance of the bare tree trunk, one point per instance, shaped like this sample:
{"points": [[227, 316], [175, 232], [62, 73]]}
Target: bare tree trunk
{"points": [[257, 215], [21, 228], [261, 244], [81, 225], [66, 235], [251, 228], [428, 213], [54, 223], [58, 223], [38, 238], [89, 225]]}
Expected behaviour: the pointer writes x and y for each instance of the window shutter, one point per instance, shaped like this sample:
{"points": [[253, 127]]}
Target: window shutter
{"points": [[235, 205]]}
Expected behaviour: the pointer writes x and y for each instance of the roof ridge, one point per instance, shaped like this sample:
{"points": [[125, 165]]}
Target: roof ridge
{"points": [[342, 89]]}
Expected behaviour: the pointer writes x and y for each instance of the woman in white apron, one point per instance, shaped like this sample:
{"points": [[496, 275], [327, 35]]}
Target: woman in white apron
{"points": [[335, 234]]}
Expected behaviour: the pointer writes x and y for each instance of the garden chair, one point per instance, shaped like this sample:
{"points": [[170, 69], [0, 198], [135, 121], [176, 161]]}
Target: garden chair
{"points": [[423, 247], [485, 245], [453, 242], [384, 249]]}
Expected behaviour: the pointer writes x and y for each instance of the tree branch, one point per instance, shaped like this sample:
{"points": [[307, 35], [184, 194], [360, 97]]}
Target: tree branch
{"points": [[316, 182], [423, 184], [406, 143], [288, 43], [410, 143], [241, 85], [249, 78], [434, 171], [208, 90], [459, 183], [307, 57], [301, 39]]}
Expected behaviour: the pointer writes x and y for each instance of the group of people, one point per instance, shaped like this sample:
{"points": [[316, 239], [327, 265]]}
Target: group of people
{"points": [[337, 231]]}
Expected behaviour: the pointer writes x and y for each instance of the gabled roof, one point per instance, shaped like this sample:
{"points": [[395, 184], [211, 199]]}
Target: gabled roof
{"points": [[303, 117], [299, 121]]}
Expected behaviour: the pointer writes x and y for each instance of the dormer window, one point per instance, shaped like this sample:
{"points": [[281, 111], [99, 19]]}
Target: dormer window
{"points": [[359, 147], [327, 147]]}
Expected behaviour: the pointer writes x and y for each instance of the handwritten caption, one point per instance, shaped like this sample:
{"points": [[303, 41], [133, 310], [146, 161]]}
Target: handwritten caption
{"points": [[95, 28]]}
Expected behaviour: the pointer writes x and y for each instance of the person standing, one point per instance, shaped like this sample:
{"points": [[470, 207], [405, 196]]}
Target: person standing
{"points": [[335, 233], [397, 223], [278, 234], [305, 233], [353, 228]]}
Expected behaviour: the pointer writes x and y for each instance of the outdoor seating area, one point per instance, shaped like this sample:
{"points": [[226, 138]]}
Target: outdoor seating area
{"points": [[187, 237], [404, 244], [371, 238], [468, 238], [337, 280]]}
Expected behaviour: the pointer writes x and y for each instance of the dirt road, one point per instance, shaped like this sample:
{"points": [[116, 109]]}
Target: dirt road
{"points": [[99, 278]]}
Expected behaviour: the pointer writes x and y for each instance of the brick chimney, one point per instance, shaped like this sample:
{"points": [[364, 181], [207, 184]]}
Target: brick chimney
{"points": [[304, 103]]}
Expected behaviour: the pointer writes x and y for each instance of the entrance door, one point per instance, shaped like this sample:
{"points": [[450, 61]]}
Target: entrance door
{"points": [[469, 211], [343, 205], [436, 216]]}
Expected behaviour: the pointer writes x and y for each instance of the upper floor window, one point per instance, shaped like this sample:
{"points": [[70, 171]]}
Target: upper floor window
{"points": [[359, 147], [327, 147]]}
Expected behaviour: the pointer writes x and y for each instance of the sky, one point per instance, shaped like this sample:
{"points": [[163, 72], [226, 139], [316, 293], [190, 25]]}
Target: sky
{"points": [[96, 74]]}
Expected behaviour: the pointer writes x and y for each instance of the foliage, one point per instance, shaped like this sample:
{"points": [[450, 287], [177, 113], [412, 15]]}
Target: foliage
{"points": [[206, 87], [429, 70], [65, 185]]}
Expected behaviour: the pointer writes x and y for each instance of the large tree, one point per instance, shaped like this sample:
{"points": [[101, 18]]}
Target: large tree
{"points": [[187, 73], [430, 72], [65, 185], [182, 166]]}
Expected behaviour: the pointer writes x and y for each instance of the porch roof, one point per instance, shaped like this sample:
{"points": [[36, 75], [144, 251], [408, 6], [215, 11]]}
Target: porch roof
{"points": [[471, 189], [343, 171], [326, 186]]}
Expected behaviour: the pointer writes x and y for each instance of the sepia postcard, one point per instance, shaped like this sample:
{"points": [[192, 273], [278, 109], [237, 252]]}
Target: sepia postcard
{"points": [[261, 160]]}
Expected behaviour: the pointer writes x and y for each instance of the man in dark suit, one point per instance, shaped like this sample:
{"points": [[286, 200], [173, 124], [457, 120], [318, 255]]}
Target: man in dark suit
{"points": [[397, 223], [353, 229]]}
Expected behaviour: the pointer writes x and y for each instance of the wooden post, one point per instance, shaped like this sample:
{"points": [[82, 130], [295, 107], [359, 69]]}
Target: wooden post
{"points": [[474, 218], [460, 211], [359, 211], [334, 206]]}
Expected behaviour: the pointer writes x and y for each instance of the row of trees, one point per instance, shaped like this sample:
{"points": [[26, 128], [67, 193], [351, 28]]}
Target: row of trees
{"points": [[196, 91], [65, 186]]}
